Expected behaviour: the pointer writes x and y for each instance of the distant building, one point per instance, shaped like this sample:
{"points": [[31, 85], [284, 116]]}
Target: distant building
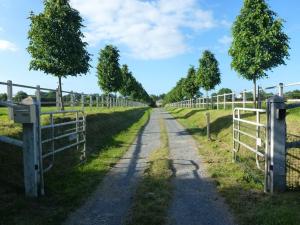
{"points": [[159, 103]]}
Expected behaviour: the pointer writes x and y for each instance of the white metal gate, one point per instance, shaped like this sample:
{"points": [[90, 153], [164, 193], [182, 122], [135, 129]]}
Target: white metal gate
{"points": [[255, 141]]}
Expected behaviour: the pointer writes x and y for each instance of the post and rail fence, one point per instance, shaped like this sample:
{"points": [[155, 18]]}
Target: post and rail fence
{"points": [[71, 98], [41, 143]]}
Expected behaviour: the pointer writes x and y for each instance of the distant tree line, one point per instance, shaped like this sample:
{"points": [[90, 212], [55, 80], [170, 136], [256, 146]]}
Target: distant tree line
{"points": [[206, 76]]}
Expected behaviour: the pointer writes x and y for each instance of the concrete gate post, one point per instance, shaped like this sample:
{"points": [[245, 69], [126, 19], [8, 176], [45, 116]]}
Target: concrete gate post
{"points": [[276, 163]]}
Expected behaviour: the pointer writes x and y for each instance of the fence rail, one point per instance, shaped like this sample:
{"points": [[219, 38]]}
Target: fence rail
{"points": [[232, 100], [72, 98]]}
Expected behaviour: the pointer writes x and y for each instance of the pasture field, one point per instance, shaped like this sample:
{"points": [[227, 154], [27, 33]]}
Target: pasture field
{"points": [[110, 132], [241, 184]]}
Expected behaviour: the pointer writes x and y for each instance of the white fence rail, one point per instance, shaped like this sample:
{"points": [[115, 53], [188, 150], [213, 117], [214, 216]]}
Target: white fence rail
{"points": [[70, 98], [234, 99]]}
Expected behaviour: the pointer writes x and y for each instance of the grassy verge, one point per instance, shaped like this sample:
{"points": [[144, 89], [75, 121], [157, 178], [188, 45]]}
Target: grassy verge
{"points": [[240, 185], [110, 132], [154, 191]]}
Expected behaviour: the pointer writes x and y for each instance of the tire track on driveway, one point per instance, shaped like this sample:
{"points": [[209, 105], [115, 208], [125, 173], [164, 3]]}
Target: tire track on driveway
{"points": [[195, 200]]}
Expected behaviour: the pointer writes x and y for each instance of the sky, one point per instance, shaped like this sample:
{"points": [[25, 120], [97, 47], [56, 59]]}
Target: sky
{"points": [[157, 39]]}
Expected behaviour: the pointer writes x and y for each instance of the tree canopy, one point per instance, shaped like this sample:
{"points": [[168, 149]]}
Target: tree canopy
{"points": [[55, 41], [108, 69], [208, 74], [190, 85], [259, 43]]}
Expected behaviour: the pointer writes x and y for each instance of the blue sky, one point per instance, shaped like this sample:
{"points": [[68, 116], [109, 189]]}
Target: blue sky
{"points": [[158, 39]]}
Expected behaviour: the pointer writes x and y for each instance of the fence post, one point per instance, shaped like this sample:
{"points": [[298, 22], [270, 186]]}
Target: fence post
{"points": [[91, 101], [38, 94], [233, 100], [276, 163], [72, 99], [57, 98], [280, 89], [208, 125], [82, 100], [224, 101], [258, 97], [33, 175], [244, 99], [10, 98], [97, 101], [217, 102]]}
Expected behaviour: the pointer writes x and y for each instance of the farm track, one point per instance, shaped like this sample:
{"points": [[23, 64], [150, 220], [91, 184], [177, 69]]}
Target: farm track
{"points": [[195, 200], [110, 203]]}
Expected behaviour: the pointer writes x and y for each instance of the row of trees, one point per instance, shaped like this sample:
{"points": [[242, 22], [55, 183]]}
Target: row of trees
{"points": [[259, 45], [56, 46], [113, 78], [207, 76]]}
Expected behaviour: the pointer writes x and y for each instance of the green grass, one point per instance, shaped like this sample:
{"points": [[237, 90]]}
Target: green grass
{"points": [[110, 132], [240, 183], [154, 192]]}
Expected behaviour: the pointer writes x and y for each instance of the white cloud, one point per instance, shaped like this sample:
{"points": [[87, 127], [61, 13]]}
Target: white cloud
{"points": [[7, 46], [225, 40], [150, 29]]}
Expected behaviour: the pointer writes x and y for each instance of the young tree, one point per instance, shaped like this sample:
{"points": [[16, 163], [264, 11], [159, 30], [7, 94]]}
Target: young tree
{"points": [[208, 74], [20, 96], [3, 97], [224, 91], [190, 85], [55, 41], [127, 81], [108, 69], [259, 44]]}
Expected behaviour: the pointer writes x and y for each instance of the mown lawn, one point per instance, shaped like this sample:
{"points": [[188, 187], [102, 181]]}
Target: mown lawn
{"points": [[110, 132], [241, 183]]}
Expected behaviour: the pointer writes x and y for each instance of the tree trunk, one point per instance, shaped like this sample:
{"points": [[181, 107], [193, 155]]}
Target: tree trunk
{"points": [[60, 94], [254, 92]]}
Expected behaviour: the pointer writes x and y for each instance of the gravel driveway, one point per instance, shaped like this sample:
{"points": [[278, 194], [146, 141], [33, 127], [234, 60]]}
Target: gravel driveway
{"points": [[110, 203], [195, 200]]}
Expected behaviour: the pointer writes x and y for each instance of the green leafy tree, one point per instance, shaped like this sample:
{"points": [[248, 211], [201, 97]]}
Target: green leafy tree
{"points": [[3, 97], [259, 43], [127, 81], [108, 69], [20, 96], [224, 91], [208, 74], [190, 85], [55, 41]]}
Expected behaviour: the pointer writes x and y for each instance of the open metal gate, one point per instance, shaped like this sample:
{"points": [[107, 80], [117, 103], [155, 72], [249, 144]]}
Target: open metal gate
{"points": [[250, 131]]}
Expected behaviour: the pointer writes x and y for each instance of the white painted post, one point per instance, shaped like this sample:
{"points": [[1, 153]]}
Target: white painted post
{"points": [[10, 98], [280, 89], [276, 163], [33, 175], [82, 101], [72, 99], [208, 125], [224, 101], [91, 101], [217, 102], [97, 101], [232, 100], [244, 99], [57, 98]]}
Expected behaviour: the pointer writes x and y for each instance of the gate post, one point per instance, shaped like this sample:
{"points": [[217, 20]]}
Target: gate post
{"points": [[33, 175], [276, 157]]}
